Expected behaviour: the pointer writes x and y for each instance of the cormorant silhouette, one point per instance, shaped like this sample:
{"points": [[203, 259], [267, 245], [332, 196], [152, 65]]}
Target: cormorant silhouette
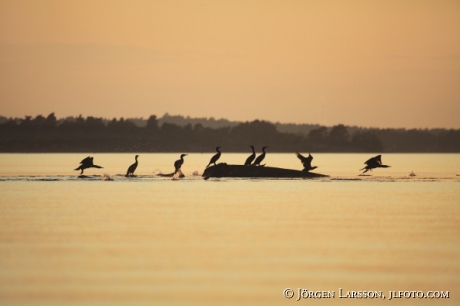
{"points": [[178, 163], [251, 157], [306, 161], [374, 162], [214, 158], [132, 168], [260, 158], [87, 163]]}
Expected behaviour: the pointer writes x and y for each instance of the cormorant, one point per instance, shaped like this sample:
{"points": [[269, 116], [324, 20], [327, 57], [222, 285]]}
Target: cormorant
{"points": [[251, 157], [306, 161], [260, 158], [215, 157], [178, 163], [132, 168], [374, 162], [87, 163]]}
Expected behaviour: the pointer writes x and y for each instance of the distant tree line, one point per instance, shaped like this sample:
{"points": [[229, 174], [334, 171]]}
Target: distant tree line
{"points": [[48, 134]]}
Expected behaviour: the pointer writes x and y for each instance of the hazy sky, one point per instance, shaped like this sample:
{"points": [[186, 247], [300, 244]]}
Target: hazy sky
{"points": [[367, 63]]}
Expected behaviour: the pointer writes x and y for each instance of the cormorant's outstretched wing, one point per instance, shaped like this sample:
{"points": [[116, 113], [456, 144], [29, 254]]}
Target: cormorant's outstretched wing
{"points": [[300, 156], [306, 161], [369, 161], [86, 160], [374, 161]]}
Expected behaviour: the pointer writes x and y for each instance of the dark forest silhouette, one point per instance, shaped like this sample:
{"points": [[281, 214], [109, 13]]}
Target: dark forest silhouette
{"points": [[48, 134]]}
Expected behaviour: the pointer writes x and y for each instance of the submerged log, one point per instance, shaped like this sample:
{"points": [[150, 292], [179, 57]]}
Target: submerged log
{"points": [[224, 170]]}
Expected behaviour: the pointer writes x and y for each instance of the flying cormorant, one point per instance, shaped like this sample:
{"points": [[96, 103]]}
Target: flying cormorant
{"points": [[306, 161], [132, 168], [178, 163], [260, 158], [251, 157], [374, 162], [87, 163], [214, 158]]}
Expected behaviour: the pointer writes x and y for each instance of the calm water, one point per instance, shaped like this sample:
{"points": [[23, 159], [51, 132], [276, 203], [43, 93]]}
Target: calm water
{"points": [[153, 241]]}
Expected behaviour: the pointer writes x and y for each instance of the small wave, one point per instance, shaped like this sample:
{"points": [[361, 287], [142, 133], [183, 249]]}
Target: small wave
{"points": [[156, 171], [177, 176], [106, 177], [194, 177]]}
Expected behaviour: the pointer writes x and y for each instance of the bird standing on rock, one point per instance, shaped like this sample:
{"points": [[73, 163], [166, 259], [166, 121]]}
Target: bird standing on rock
{"points": [[260, 158], [178, 163], [214, 158], [251, 157], [132, 168]]}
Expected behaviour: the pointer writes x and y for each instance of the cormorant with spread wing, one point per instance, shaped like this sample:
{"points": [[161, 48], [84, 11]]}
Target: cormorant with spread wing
{"points": [[132, 168], [260, 158], [214, 158], [87, 163], [178, 163], [251, 157], [374, 162], [306, 161]]}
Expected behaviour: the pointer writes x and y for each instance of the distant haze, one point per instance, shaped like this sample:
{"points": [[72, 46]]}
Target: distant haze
{"points": [[366, 63]]}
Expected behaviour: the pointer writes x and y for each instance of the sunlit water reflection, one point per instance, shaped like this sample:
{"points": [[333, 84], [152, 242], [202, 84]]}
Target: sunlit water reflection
{"points": [[151, 240]]}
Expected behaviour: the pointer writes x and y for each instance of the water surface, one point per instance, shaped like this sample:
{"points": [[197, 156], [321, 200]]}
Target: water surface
{"points": [[154, 241]]}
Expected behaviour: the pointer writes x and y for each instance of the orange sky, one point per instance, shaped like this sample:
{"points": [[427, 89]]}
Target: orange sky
{"points": [[367, 63]]}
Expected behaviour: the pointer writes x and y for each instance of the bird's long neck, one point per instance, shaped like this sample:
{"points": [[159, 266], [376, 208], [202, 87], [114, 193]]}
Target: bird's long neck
{"points": [[263, 150], [253, 151]]}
